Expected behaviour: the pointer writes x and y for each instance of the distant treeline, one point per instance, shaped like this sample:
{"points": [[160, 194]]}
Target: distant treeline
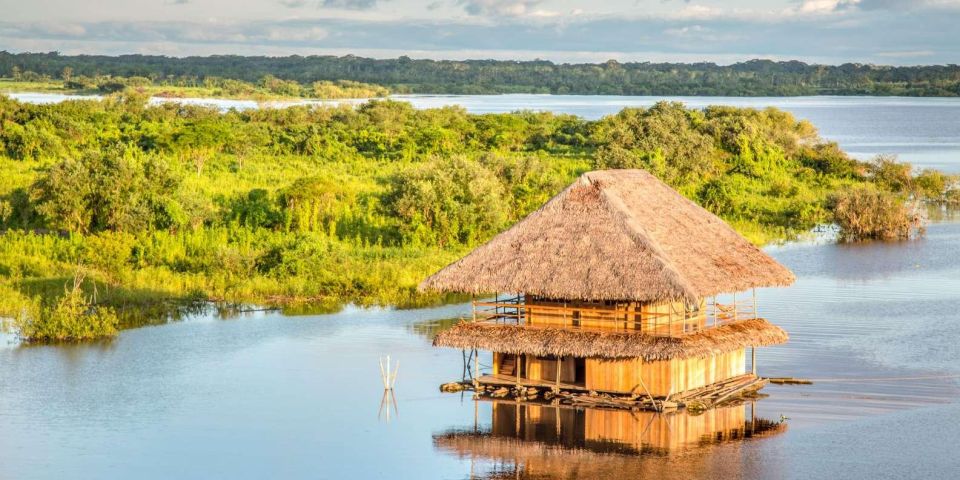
{"points": [[755, 77]]}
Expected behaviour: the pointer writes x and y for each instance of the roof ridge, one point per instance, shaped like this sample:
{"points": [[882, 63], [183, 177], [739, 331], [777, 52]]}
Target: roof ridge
{"points": [[639, 234]]}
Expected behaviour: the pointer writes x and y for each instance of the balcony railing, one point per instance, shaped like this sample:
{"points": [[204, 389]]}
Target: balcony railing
{"points": [[514, 310]]}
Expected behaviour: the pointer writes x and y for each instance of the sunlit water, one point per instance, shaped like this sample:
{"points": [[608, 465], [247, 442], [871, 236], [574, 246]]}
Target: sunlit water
{"points": [[922, 131], [267, 395]]}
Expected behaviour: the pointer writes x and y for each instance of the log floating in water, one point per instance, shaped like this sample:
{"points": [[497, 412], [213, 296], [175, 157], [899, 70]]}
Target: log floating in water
{"points": [[789, 381]]}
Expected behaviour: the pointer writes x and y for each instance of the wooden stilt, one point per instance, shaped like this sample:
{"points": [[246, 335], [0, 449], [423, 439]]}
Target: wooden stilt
{"points": [[519, 359], [476, 368], [753, 360], [559, 361], [734, 306]]}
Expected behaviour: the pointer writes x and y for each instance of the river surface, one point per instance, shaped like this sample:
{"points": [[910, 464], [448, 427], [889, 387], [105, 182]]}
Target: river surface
{"points": [[268, 395], [922, 131]]}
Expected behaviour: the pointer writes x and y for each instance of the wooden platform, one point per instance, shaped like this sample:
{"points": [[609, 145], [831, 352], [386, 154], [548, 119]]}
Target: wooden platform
{"points": [[511, 380], [577, 395]]}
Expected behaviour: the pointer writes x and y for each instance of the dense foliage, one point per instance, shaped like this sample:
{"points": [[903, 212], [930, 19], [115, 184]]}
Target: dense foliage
{"points": [[865, 213], [360, 204], [71, 317], [266, 88], [755, 77]]}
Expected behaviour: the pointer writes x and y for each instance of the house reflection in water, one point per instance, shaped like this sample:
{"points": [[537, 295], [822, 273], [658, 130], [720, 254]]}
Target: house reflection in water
{"points": [[547, 441]]}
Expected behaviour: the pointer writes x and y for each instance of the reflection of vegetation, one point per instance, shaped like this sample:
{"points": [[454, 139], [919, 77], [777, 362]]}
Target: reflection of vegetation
{"points": [[326, 206], [431, 328]]}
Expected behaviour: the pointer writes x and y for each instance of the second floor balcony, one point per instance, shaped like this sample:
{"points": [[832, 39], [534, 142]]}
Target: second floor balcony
{"points": [[667, 319]]}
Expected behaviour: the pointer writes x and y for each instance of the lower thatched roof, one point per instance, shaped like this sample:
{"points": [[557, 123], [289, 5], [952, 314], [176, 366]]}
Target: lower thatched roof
{"points": [[497, 447], [547, 341]]}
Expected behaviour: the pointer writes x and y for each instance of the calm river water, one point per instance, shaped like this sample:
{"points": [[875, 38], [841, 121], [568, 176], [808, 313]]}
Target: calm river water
{"points": [[874, 325]]}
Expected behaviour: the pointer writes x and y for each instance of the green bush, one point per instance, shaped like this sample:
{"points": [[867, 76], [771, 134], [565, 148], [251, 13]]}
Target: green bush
{"points": [[865, 213], [445, 202], [72, 317]]}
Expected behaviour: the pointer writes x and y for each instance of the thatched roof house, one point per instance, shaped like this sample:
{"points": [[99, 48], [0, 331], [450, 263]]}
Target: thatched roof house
{"points": [[556, 438], [615, 235], [618, 266]]}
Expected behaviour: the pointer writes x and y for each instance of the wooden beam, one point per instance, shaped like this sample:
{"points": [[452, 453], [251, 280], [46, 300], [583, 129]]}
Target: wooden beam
{"points": [[559, 361]]}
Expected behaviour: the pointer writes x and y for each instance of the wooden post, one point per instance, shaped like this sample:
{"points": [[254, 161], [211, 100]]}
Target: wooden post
{"points": [[476, 367], [755, 304], [517, 420], [753, 359], [559, 360], [519, 358], [556, 420], [473, 305], [734, 306], [644, 386]]}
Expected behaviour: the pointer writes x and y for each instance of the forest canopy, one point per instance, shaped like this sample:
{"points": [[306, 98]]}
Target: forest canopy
{"points": [[751, 78]]}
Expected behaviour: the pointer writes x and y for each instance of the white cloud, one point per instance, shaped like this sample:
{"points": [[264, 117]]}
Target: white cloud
{"points": [[684, 31], [505, 8], [824, 6], [297, 34], [906, 54]]}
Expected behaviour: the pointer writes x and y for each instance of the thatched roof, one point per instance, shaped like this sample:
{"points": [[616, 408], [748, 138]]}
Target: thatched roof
{"points": [[615, 235], [544, 341], [465, 443]]}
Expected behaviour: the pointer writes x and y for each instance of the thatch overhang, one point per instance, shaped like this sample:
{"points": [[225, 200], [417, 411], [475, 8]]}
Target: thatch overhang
{"points": [[615, 235], [611, 344], [483, 444]]}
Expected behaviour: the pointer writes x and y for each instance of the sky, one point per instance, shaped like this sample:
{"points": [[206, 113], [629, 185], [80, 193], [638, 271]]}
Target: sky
{"points": [[898, 32]]}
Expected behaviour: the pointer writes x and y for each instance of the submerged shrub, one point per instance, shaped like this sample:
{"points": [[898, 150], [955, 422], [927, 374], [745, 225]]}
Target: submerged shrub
{"points": [[73, 317], [864, 213]]}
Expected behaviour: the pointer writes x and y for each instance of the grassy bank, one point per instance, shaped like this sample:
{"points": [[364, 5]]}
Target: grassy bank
{"points": [[167, 204]]}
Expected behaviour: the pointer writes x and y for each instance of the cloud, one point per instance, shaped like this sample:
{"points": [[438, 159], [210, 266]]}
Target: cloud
{"points": [[350, 4], [906, 54], [309, 34], [846, 35], [684, 31], [292, 3], [505, 8]]}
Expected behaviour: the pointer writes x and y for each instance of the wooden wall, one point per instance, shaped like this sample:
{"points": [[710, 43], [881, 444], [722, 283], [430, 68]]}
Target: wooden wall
{"points": [[545, 369], [663, 377], [648, 430], [651, 317], [640, 431]]}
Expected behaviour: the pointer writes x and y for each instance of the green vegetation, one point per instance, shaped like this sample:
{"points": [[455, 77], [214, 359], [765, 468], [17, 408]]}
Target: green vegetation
{"points": [[72, 317], [169, 203], [752, 78], [865, 213], [267, 88]]}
